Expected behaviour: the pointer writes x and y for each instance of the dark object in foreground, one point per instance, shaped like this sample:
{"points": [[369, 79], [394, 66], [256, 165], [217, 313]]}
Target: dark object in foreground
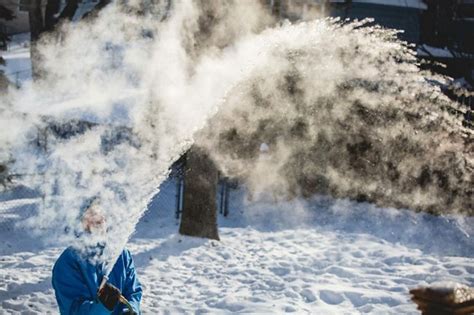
{"points": [[109, 295], [442, 300]]}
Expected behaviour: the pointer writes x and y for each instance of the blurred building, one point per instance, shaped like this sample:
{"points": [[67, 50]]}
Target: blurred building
{"points": [[442, 32], [396, 14]]}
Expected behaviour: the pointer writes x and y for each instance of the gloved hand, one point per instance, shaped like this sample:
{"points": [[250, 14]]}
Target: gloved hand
{"points": [[109, 296]]}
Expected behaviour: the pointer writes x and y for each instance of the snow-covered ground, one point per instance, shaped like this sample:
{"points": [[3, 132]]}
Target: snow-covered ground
{"points": [[321, 256]]}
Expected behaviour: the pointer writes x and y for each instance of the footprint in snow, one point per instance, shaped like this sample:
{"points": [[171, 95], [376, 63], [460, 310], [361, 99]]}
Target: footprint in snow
{"points": [[469, 269], [340, 272], [308, 296], [358, 254], [455, 272], [280, 271], [229, 304], [290, 309], [357, 299], [330, 297]]}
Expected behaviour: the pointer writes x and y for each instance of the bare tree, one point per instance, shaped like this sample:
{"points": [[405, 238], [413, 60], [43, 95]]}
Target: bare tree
{"points": [[46, 20], [5, 14]]}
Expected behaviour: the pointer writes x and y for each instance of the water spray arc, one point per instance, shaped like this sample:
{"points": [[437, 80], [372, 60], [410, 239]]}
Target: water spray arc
{"points": [[343, 106]]}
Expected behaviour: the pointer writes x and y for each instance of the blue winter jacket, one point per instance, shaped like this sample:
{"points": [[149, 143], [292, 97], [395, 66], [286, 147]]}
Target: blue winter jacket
{"points": [[76, 280]]}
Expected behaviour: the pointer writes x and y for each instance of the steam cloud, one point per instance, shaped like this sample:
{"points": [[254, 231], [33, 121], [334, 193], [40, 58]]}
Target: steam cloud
{"points": [[347, 112], [343, 107]]}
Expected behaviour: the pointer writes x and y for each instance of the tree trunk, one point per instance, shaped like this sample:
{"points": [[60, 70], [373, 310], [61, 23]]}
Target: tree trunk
{"points": [[38, 25], [69, 10], [36, 28], [35, 15], [50, 19], [199, 216], [276, 8], [95, 11], [3, 82]]}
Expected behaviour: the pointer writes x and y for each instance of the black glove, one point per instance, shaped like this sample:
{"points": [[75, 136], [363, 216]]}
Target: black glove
{"points": [[109, 296]]}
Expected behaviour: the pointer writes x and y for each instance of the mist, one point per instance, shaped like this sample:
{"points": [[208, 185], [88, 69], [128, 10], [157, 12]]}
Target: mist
{"points": [[344, 109]]}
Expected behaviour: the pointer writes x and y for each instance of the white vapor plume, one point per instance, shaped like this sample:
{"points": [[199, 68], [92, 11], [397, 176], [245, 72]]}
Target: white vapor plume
{"points": [[337, 103], [345, 111], [131, 89]]}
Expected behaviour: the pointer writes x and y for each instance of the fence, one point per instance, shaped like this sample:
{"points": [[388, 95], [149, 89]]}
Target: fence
{"points": [[223, 189], [17, 77], [18, 203]]}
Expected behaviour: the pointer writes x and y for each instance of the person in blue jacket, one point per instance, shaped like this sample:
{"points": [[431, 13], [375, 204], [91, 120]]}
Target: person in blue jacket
{"points": [[76, 279]]}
